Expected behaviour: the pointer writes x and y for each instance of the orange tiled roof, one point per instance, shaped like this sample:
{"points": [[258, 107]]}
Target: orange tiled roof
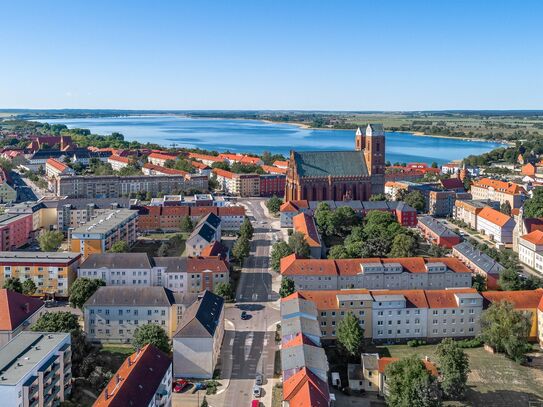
{"points": [[279, 163], [540, 307], [294, 296], [137, 380], [305, 389], [164, 170], [199, 165], [275, 170], [293, 206], [56, 164], [494, 216], [118, 158], [327, 299], [414, 298], [384, 362], [535, 237], [445, 298], [520, 299], [206, 157], [299, 340], [223, 173], [15, 308], [163, 156], [502, 186], [305, 224]]}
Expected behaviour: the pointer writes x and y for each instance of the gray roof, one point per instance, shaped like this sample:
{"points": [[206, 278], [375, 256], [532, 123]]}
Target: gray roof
{"points": [[42, 257], [376, 126], [106, 222], [117, 261], [298, 306], [201, 319], [203, 230], [334, 163], [370, 361], [312, 357], [98, 203], [211, 219], [437, 227], [481, 260], [172, 264], [24, 352], [296, 325], [355, 372], [131, 296]]}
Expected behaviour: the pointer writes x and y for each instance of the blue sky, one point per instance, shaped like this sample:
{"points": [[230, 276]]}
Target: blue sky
{"points": [[256, 54]]}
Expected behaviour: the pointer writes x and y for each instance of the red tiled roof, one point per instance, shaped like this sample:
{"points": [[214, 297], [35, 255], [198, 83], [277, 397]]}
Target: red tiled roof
{"points": [[327, 299], [56, 164], [223, 173], [452, 183], [494, 216], [414, 298], [163, 156], [275, 170], [445, 298], [16, 308], [137, 380], [280, 163], [164, 170], [299, 340], [305, 224], [384, 362], [203, 210], [502, 186], [200, 264], [120, 159], [305, 389], [294, 296], [205, 157], [520, 299], [294, 206], [231, 211], [535, 237], [199, 165], [214, 249]]}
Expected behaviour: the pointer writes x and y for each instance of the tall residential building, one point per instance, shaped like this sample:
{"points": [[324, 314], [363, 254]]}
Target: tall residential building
{"points": [[52, 272], [36, 369], [100, 233], [17, 313], [143, 380], [15, 231], [497, 226], [501, 191], [112, 314], [377, 273]]}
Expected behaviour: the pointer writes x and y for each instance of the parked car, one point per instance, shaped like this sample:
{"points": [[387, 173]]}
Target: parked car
{"points": [[259, 380], [199, 386], [255, 403], [179, 385], [256, 391], [244, 315]]}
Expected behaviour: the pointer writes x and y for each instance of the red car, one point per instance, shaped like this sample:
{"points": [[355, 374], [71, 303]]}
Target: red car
{"points": [[255, 403], [179, 385]]}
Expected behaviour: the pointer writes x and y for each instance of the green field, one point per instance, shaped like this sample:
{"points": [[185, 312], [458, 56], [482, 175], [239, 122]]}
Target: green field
{"points": [[494, 380]]}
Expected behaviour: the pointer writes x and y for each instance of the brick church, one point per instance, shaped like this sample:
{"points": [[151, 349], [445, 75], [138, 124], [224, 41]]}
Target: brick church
{"points": [[339, 175]]}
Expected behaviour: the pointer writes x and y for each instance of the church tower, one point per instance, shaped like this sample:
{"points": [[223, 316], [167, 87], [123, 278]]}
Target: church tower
{"points": [[359, 140], [374, 156]]}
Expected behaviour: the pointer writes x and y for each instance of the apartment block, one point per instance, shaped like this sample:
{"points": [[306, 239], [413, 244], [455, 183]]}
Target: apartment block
{"points": [[112, 314], [437, 233], [441, 203], [468, 210], [17, 313], [496, 225], [377, 273], [272, 184], [7, 192], [496, 190], [100, 233], [117, 162], [114, 186], [530, 250], [305, 224], [161, 158], [133, 385], [71, 213], [36, 369], [55, 168], [479, 262], [52, 272], [15, 231]]}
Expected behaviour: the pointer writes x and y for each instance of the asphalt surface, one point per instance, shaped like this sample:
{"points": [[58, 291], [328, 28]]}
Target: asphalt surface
{"points": [[249, 345], [24, 192]]}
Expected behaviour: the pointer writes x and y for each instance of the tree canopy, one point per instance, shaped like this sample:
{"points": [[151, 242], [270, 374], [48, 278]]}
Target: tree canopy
{"points": [[506, 329], [29, 287], [151, 334], [415, 199], [533, 207], [186, 224], [453, 365], [241, 248], [224, 290], [13, 284], [246, 229], [50, 240], [299, 245], [287, 287], [274, 204], [279, 250], [120, 246], [57, 322], [350, 335], [82, 289]]}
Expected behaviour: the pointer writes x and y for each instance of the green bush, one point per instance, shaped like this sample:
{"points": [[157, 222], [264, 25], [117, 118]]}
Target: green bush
{"points": [[469, 343], [416, 342]]}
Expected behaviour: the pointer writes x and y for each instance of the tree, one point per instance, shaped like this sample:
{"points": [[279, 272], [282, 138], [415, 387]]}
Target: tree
{"points": [[50, 240], [204, 403], [533, 207], [350, 335], [509, 280], [274, 204], [299, 245], [403, 246], [338, 252], [415, 199], [506, 208], [241, 248], [13, 284], [151, 334], [287, 287], [506, 329], [82, 289], [378, 197], [186, 224], [246, 229], [279, 250], [57, 322], [437, 251], [434, 164], [163, 249], [479, 283], [224, 290], [322, 218], [120, 246], [29, 287], [453, 365], [410, 384]]}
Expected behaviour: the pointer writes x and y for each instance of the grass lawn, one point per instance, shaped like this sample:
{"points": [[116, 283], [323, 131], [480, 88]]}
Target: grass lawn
{"points": [[151, 243], [277, 396], [494, 380]]}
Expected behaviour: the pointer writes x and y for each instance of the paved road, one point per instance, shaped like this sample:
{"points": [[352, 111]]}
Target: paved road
{"points": [[250, 347], [24, 192]]}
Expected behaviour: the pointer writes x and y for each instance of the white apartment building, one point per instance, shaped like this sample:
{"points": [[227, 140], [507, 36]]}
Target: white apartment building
{"points": [[530, 250], [36, 369], [496, 225], [118, 163]]}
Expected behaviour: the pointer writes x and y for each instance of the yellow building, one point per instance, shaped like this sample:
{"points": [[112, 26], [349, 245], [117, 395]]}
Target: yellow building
{"points": [[100, 233], [52, 272]]}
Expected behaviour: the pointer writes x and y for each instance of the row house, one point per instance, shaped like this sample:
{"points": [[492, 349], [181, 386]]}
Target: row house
{"points": [[161, 158], [496, 190], [497, 226], [36, 369], [468, 210], [55, 168], [183, 275], [101, 233], [118, 163], [240, 158], [208, 160], [377, 273], [479, 263], [305, 224], [132, 385], [437, 233], [112, 314], [52, 272], [153, 169]]}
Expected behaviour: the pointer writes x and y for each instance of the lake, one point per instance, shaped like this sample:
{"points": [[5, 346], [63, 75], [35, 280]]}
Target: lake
{"points": [[252, 136]]}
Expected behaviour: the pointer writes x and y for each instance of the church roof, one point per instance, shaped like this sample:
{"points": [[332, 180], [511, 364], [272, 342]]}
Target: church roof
{"points": [[334, 163]]}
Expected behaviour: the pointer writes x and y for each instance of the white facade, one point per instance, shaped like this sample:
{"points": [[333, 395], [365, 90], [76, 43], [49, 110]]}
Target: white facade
{"points": [[499, 234], [116, 164], [392, 320], [530, 254], [460, 321]]}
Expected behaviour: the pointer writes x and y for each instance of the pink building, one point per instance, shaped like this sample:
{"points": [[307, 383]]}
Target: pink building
{"points": [[15, 231]]}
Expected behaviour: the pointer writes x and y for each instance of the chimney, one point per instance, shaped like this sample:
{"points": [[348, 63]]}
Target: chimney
{"points": [[117, 379], [27, 307], [106, 395]]}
